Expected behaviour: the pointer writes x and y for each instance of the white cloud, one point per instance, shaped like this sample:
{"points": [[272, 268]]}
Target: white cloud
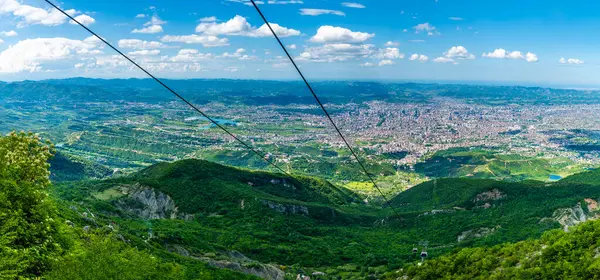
{"points": [[145, 52], [425, 27], [385, 62], [31, 54], [152, 29], [459, 52], [562, 60], [531, 57], [140, 16], [456, 18], [31, 15], [292, 46], [391, 44], [279, 2], [331, 34], [353, 5], [390, 53], [336, 52], [504, 54], [239, 26], [206, 41], [367, 64], [155, 20], [191, 55], [1, 41], [83, 19], [208, 19], [139, 44], [8, 33], [318, 12], [232, 69], [281, 31], [442, 59], [239, 54], [419, 57]]}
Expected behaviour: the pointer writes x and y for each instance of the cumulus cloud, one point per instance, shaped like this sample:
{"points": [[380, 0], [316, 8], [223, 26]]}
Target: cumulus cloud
{"points": [[139, 44], [140, 16], [390, 53], [144, 52], [239, 26], [425, 27], [8, 33], [318, 12], [442, 59], [391, 44], [458, 52], [353, 5], [531, 57], [385, 62], [336, 52], [367, 64], [278, 2], [504, 54], [83, 19], [191, 55], [208, 19], [332, 34], [239, 54], [30, 15], [562, 60], [30, 55], [155, 20], [149, 29], [418, 57], [206, 41], [292, 46], [1, 41]]}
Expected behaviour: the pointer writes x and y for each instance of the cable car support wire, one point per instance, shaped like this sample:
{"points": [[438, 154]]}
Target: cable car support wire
{"points": [[261, 155], [322, 106]]}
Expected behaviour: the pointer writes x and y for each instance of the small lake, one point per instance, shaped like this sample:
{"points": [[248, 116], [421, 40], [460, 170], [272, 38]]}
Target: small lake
{"points": [[554, 177], [219, 121]]}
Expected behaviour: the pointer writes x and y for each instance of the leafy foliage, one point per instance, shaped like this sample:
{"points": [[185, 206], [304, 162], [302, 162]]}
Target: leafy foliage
{"points": [[29, 233]]}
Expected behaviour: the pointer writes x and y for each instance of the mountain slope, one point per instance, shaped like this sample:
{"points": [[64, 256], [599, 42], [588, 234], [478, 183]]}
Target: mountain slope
{"points": [[257, 221], [557, 255]]}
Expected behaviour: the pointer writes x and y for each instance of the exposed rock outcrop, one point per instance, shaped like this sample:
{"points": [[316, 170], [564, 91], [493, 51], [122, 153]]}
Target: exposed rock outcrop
{"points": [[286, 208], [494, 194], [148, 203], [570, 216], [476, 233]]}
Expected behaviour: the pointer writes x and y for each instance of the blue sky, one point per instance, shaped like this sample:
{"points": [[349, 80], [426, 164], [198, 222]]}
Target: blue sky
{"points": [[511, 42]]}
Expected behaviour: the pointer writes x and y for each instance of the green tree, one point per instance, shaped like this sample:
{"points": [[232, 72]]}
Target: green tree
{"points": [[104, 257], [29, 237]]}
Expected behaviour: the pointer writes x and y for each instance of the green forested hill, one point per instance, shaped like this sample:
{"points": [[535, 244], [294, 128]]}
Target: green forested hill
{"points": [[189, 219], [308, 224], [557, 255]]}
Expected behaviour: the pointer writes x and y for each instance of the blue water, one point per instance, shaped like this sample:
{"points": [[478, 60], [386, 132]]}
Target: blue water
{"points": [[219, 121], [554, 177]]}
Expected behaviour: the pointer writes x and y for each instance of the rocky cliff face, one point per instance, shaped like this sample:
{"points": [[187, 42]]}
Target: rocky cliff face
{"points": [[148, 203], [286, 208], [476, 233], [571, 216]]}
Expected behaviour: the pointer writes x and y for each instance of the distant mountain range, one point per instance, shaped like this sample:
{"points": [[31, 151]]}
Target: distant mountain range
{"points": [[256, 92]]}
